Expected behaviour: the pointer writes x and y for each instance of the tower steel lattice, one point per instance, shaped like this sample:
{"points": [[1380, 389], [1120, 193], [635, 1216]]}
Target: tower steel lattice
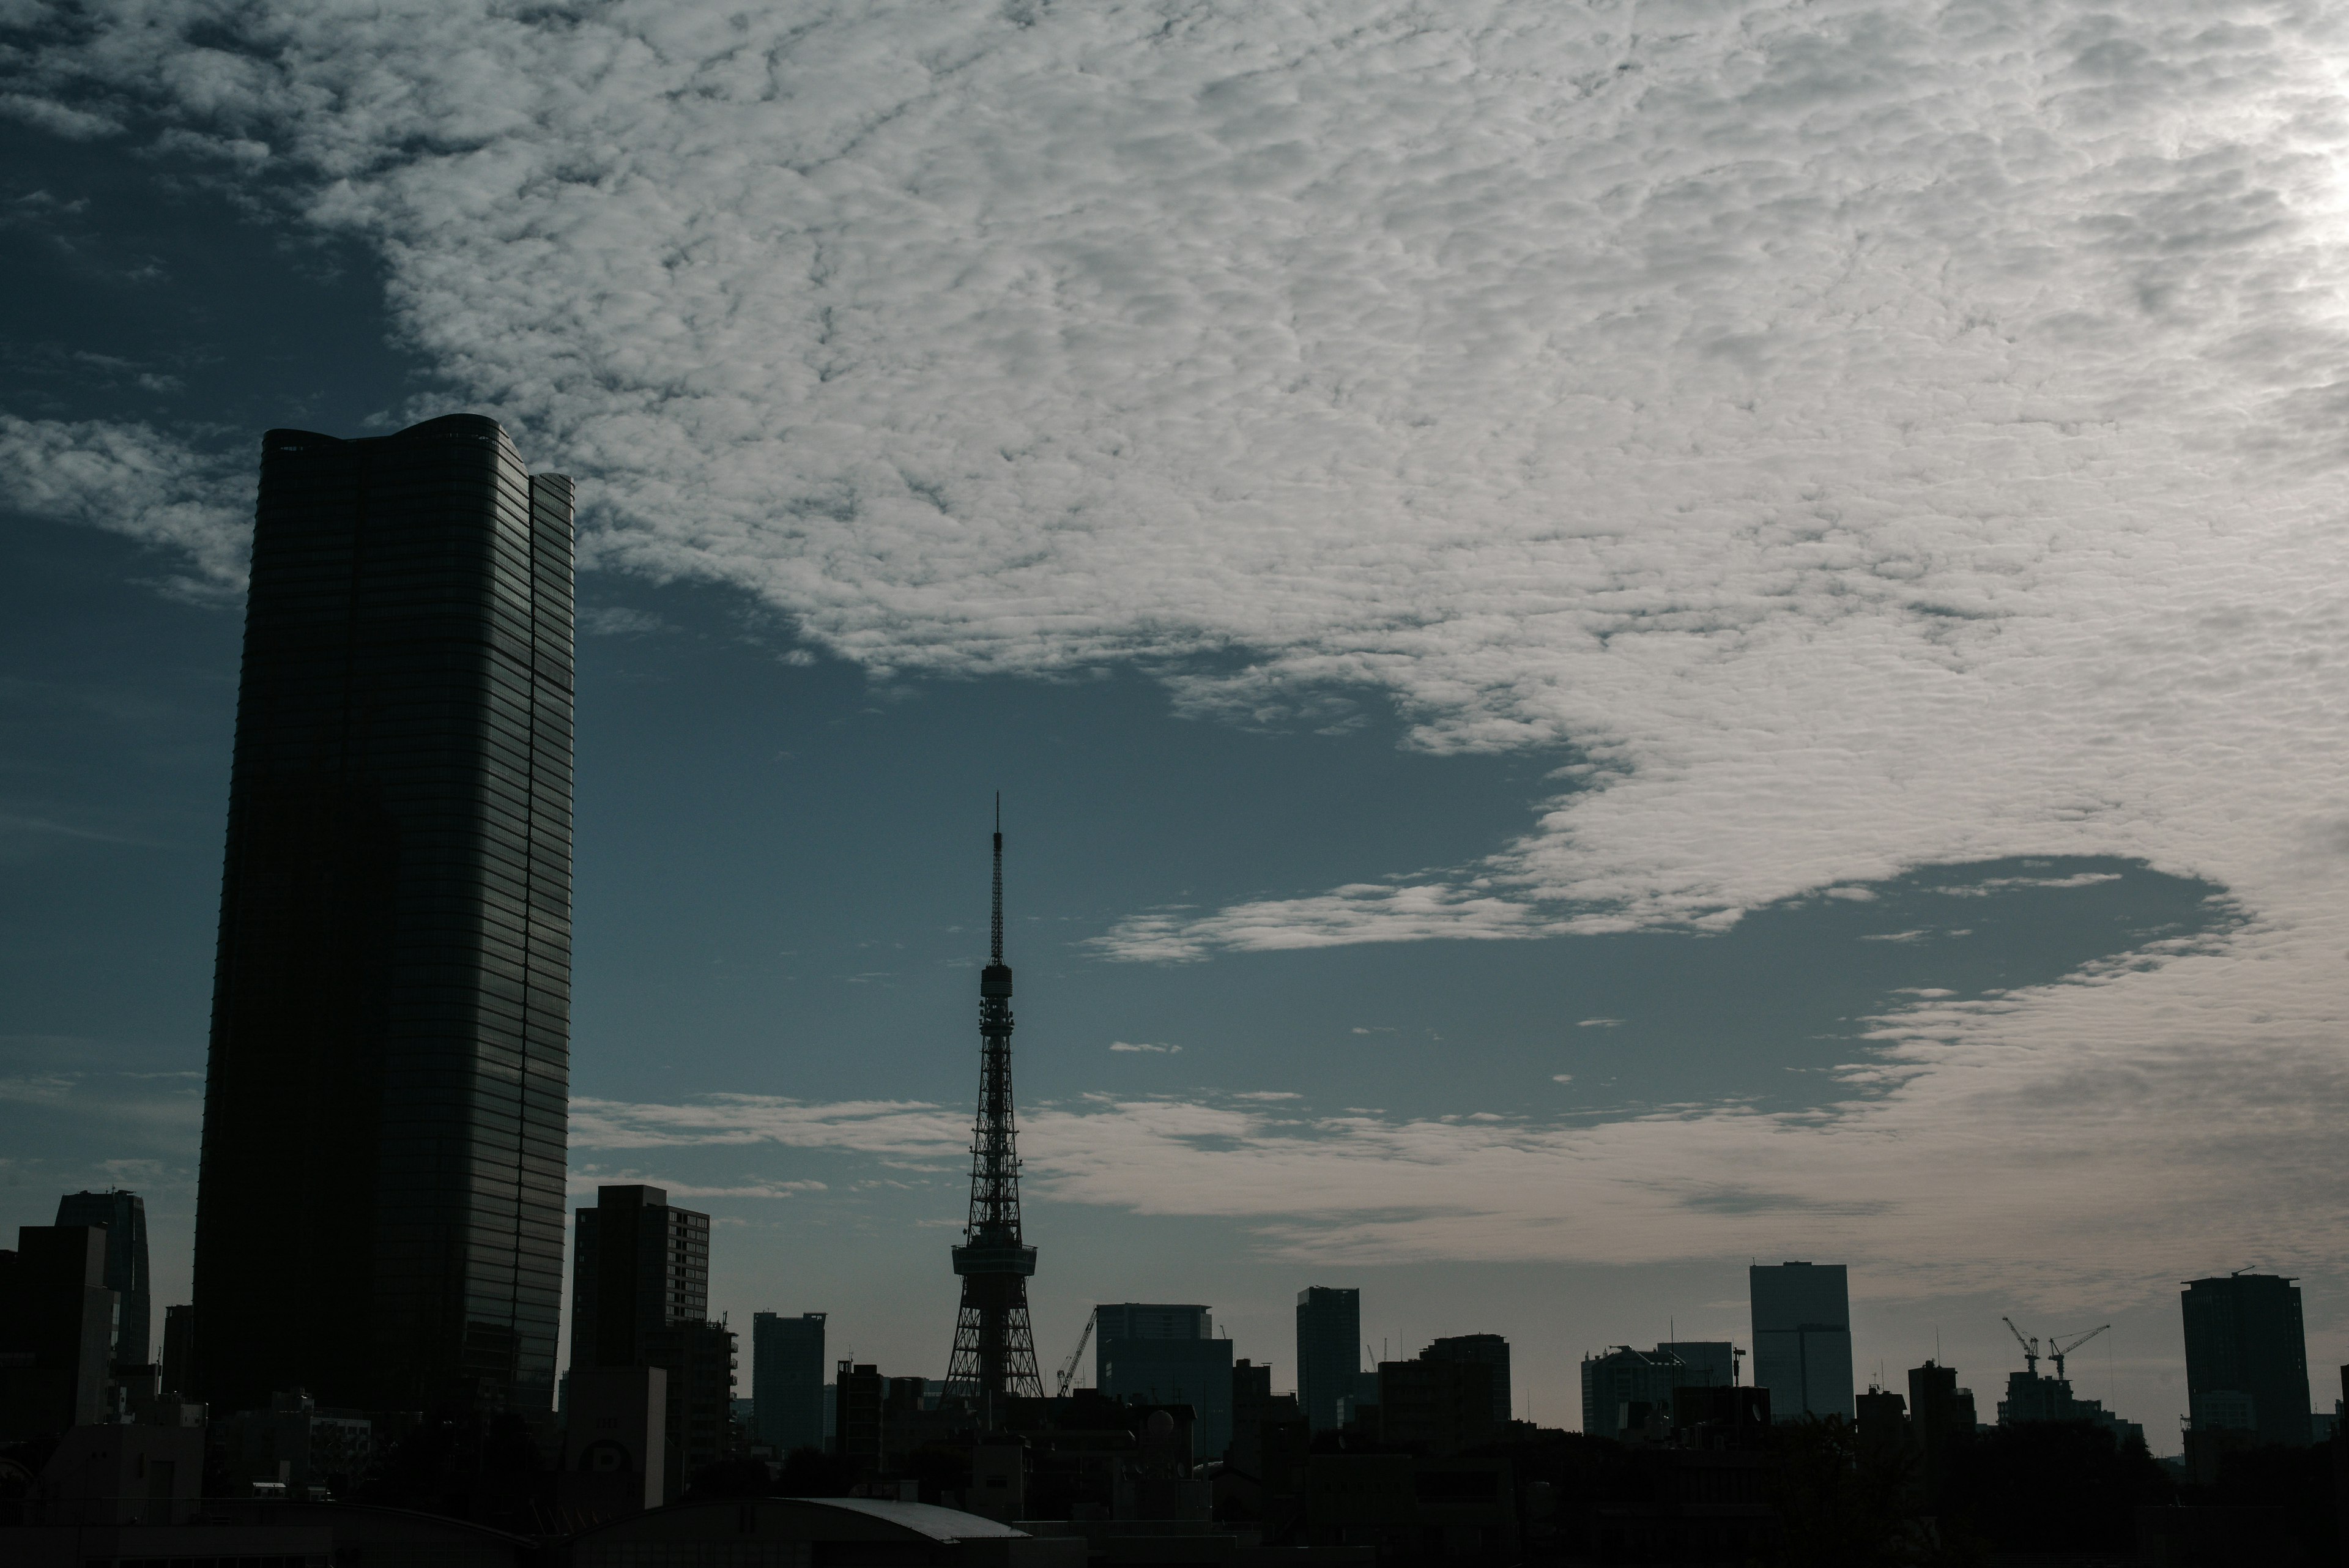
{"points": [[995, 1345]]}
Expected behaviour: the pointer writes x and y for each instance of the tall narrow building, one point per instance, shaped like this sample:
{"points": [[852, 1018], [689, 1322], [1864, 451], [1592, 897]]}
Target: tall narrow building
{"points": [[124, 1214], [1802, 1338], [379, 1211], [640, 1297], [1329, 1352], [994, 1355], [787, 1380]]}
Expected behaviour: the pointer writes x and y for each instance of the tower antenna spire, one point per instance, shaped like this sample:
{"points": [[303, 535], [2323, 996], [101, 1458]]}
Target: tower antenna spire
{"points": [[994, 1358]]}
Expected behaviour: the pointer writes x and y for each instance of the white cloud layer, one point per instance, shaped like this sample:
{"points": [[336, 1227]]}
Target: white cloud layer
{"points": [[132, 480], [1869, 434]]}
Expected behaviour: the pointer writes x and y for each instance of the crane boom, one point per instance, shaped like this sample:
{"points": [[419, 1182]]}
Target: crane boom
{"points": [[2057, 1350], [2030, 1347], [1068, 1369]]}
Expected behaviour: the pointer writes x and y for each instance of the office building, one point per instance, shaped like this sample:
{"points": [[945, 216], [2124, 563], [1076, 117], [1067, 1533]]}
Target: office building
{"points": [[2031, 1397], [386, 1100], [1624, 1391], [640, 1297], [124, 1214], [1329, 1352], [1710, 1362], [860, 1403], [1940, 1417], [2247, 1357], [787, 1380], [1486, 1349], [1167, 1354], [56, 1331], [1802, 1339], [697, 1362], [1437, 1408], [178, 1381]]}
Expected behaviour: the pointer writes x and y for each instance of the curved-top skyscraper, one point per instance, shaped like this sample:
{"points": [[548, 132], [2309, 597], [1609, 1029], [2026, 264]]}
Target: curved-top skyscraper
{"points": [[379, 1216], [995, 1348]]}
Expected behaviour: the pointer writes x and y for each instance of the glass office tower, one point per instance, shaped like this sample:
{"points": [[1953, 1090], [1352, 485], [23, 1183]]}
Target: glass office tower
{"points": [[1328, 1351], [380, 1209], [124, 1214], [1802, 1338]]}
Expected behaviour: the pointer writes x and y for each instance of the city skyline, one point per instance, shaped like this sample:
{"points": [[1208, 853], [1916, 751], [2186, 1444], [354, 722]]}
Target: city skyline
{"points": [[1608, 666]]}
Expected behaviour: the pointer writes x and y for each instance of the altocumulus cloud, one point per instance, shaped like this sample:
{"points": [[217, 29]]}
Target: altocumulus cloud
{"points": [[1868, 434]]}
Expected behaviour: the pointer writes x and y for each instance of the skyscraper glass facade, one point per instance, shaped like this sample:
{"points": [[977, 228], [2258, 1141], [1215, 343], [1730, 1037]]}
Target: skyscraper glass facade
{"points": [[1328, 1351], [124, 1214], [380, 1214], [2246, 1356], [1802, 1338]]}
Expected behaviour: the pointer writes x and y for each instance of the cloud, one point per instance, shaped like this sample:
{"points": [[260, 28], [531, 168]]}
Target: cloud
{"points": [[617, 620], [133, 480], [1597, 1023], [1561, 1077], [1125, 1045], [1864, 436]]}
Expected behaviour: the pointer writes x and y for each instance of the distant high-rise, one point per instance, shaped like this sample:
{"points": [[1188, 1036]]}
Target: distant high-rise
{"points": [[640, 1297], [787, 1380], [2247, 1357], [124, 1214], [1710, 1362], [379, 1211], [1802, 1339], [1486, 1349], [1167, 1354], [1623, 1389], [56, 1323], [1328, 1351], [637, 1265]]}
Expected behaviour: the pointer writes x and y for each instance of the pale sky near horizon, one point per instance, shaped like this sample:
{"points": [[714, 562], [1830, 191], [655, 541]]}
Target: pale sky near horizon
{"points": [[1619, 637]]}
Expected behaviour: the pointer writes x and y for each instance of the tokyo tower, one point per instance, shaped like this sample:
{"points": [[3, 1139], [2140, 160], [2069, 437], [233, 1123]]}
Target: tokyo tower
{"points": [[994, 1356]]}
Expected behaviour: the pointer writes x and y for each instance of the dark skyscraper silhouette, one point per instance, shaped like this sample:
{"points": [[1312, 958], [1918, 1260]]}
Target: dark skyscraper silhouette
{"points": [[994, 1345], [379, 1213], [2247, 1357], [1328, 1351], [124, 1214]]}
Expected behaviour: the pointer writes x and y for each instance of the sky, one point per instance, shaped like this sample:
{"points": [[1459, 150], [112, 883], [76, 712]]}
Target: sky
{"points": [[1619, 638]]}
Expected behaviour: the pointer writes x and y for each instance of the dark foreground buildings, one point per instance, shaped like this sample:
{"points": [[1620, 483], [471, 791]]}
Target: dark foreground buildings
{"points": [[2247, 1357], [380, 1214]]}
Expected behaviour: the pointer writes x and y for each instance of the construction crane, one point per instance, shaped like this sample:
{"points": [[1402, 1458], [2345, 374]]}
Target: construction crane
{"points": [[1068, 1367], [2030, 1347], [2057, 1351]]}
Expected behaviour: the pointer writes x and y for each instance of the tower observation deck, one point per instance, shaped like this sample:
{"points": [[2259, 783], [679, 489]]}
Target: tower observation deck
{"points": [[994, 1347]]}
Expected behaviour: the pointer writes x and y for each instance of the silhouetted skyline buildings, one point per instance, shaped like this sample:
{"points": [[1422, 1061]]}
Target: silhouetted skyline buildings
{"points": [[1328, 1351], [386, 1100], [2246, 1356], [124, 1214], [1802, 1338]]}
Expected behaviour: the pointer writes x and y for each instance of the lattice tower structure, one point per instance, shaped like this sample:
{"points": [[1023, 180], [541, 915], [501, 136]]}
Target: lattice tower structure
{"points": [[994, 1356]]}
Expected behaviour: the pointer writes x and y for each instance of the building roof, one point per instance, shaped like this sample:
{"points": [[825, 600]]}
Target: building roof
{"points": [[804, 1518]]}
